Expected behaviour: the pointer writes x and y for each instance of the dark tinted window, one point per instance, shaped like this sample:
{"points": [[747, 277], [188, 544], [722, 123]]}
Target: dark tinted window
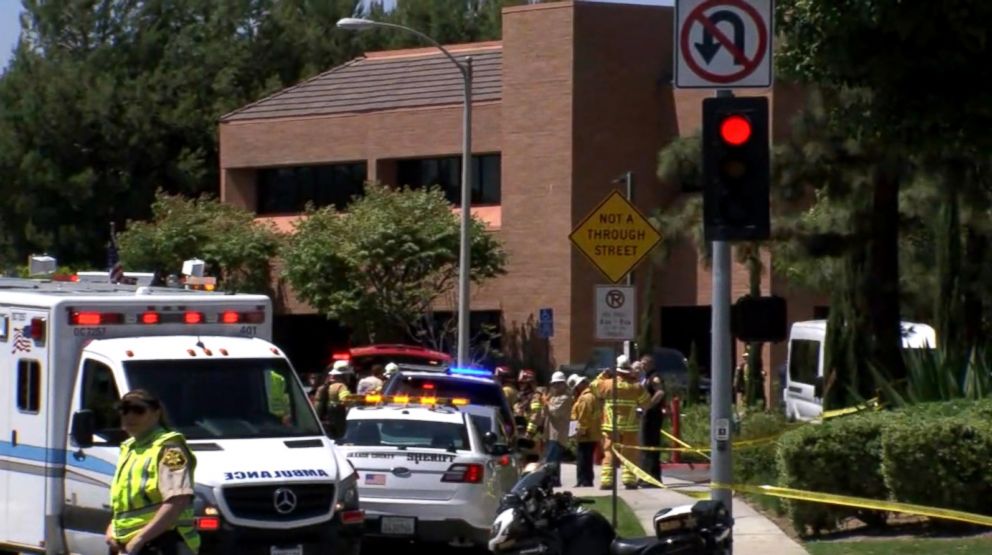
{"points": [[447, 174], [288, 190], [227, 399], [405, 433], [804, 360], [28, 385], [366, 362]]}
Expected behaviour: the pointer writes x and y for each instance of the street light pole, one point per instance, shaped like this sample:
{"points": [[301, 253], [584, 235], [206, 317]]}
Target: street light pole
{"points": [[464, 256], [464, 259]]}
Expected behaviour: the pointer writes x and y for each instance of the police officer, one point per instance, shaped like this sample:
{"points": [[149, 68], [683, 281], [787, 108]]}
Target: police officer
{"points": [[622, 415], [652, 420], [587, 416], [152, 492]]}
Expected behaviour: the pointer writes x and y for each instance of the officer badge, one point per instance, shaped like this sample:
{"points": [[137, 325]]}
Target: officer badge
{"points": [[174, 459]]}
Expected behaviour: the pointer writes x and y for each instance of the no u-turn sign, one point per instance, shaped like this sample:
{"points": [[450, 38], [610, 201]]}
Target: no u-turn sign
{"points": [[723, 44]]}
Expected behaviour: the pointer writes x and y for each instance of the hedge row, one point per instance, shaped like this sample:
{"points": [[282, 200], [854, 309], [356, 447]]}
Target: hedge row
{"points": [[935, 454]]}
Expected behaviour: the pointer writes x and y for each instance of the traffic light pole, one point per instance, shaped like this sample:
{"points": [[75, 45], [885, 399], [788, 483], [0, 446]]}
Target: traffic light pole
{"points": [[721, 394]]}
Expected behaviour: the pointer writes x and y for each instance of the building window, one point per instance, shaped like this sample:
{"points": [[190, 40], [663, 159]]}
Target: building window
{"points": [[288, 190], [447, 173], [28, 386]]}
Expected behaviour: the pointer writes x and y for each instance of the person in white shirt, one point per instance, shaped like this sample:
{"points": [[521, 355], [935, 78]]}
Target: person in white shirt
{"points": [[373, 382]]}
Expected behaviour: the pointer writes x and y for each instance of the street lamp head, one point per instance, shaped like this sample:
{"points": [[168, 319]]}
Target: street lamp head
{"points": [[355, 23]]}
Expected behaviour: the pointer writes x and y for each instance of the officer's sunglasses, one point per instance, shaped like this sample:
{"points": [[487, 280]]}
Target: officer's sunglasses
{"points": [[137, 409]]}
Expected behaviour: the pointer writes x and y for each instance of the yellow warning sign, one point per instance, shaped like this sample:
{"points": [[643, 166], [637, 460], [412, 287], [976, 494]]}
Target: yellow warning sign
{"points": [[615, 236]]}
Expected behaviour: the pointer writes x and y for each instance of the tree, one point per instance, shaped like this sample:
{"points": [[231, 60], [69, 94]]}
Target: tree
{"points": [[870, 54], [107, 101], [236, 248], [380, 267]]}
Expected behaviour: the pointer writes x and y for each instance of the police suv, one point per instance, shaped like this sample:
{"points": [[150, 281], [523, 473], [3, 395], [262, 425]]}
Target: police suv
{"points": [[429, 468]]}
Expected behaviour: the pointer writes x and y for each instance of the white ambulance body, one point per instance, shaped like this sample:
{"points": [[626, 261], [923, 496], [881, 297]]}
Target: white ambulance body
{"points": [[267, 478]]}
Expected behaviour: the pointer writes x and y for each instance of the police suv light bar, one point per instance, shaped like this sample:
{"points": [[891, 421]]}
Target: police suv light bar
{"points": [[477, 372], [426, 400]]}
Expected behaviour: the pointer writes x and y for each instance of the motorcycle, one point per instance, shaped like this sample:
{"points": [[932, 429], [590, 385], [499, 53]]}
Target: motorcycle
{"points": [[534, 519]]}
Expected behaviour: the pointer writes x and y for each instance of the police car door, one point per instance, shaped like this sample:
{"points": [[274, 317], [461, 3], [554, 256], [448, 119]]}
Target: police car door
{"points": [[30, 460], [90, 471]]}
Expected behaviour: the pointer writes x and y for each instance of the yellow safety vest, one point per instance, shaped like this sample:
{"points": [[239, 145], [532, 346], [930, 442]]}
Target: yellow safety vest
{"points": [[134, 495], [278, 397]]}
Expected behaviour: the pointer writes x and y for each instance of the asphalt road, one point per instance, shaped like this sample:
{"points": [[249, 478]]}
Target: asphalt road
{"points": [[371, 546]]}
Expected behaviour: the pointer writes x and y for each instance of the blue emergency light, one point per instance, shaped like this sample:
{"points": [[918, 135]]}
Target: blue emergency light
{"points": [[476, 372]]}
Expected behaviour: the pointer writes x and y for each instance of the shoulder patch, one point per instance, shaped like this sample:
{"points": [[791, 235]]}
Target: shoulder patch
{"points": [[174, 458]]}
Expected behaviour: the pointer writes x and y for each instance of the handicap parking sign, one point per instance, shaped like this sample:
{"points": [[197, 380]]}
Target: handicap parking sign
{"points": [[545, 323]]}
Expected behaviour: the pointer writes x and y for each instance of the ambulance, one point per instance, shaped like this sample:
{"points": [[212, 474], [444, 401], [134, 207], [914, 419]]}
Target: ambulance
{"points": [[268, 480]]}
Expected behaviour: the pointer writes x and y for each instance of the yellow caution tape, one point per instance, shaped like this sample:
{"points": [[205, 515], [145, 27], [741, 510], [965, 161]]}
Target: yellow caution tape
{"points": [[861, 503], [870, 404], [645, 477], [816, 497], [684, 444], [873, 404]]}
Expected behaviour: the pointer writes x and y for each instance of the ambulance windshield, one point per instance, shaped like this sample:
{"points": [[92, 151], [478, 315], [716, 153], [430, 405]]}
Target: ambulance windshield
{"points": [[227, 398]]}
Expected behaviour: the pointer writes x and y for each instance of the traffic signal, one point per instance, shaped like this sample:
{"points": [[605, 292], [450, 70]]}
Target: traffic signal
{"points": [[736, 170], [759, 319]]}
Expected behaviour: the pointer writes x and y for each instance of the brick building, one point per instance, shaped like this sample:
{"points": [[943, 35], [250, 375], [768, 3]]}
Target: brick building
{"points": [[574, 95]]}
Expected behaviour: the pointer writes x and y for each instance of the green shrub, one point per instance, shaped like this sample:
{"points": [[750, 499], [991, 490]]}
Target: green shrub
{"points": [[841, 456], [940, 462], [755, 465]]}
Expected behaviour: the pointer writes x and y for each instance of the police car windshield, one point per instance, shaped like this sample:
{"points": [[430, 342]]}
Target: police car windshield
{"points": [[405, 434], [227, 398]]}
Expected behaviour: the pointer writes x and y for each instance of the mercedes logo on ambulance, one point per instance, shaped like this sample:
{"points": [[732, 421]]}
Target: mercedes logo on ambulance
{"points": [[284, 500]]}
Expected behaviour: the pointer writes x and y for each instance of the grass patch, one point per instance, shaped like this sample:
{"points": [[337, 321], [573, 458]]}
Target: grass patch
{"points": [[627, 524], [908, 546]]}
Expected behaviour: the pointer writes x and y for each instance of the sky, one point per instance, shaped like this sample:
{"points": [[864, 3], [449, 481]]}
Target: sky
{"points": [[10, 26]]}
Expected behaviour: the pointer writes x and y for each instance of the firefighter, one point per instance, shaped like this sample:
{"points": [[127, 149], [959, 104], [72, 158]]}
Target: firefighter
{"points": [[525, 381], [505, 377], [331, 399], [528, 406], [587, 414], [622, 415]]}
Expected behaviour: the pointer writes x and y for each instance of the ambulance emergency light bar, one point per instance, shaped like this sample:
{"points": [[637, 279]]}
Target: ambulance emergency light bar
{"points": [[374, 399], [151, 317]]}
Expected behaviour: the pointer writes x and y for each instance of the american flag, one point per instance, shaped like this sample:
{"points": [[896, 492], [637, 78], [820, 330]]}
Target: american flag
{"points": [[21, 343], [375, 479], [114, 267]]}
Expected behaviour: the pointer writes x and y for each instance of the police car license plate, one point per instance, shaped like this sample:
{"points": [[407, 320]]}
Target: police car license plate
{"points": [[397, 525], [293, 550]]}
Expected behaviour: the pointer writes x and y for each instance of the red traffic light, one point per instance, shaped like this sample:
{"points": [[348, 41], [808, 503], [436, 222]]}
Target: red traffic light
{"points": [[735, 130]]}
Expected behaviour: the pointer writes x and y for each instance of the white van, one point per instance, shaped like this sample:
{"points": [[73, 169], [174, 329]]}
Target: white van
{"points": [[804, 380], [267, 478]]}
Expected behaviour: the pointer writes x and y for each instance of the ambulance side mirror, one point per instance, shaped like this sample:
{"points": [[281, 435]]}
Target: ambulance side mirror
{"points": [[83, 426]]}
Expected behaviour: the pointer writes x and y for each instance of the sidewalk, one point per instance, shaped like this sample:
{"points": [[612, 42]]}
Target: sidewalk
{"points": [[753, 533]]}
